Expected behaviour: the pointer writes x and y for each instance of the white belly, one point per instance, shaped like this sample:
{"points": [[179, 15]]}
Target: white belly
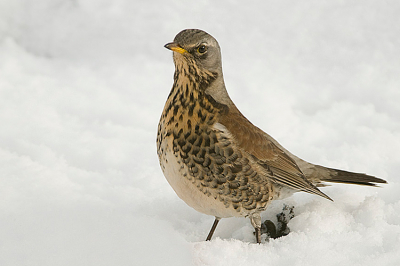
{"points": [[191, 194]]}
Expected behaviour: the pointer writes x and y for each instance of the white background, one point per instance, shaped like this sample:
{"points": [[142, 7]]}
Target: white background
{"points": [[82, 87]]}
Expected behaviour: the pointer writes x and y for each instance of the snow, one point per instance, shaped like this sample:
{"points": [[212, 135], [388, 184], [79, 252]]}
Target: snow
{"points": [[83, 84]]}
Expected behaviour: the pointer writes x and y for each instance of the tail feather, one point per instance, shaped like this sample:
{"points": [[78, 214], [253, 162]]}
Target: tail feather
{"points": [[340, 176]]}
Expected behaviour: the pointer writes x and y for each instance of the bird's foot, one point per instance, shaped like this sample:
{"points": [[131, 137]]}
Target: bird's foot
{"points": [[281, 228]]}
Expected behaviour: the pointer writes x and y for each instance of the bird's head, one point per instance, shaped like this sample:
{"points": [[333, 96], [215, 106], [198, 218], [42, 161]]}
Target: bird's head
{"points": [[196, 50], [197, 59]]}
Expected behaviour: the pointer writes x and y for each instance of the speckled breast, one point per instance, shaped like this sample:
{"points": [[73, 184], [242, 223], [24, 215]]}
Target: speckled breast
{"points": [[201, 164]]}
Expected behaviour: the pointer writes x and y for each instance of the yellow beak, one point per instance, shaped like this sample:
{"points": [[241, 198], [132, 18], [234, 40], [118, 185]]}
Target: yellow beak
{"points": [[175, 47]]}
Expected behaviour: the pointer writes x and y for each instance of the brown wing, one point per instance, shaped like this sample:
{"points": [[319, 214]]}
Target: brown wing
{"points": [[259, 145]]}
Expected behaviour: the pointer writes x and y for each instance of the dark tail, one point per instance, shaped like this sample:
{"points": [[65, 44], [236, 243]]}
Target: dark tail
{"points": [[340, 176]]}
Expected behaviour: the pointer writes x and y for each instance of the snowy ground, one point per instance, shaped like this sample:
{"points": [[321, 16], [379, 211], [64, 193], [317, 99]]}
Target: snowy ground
{"points": [[83, 84]]}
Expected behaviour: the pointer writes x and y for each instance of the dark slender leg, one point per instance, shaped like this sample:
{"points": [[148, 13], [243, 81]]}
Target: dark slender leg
{"points": [[258, 235], [213, 228], [255, 220]]}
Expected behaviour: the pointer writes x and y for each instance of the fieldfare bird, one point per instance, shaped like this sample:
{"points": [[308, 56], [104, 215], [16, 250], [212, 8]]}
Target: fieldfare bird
{"points": [[215, 159]]}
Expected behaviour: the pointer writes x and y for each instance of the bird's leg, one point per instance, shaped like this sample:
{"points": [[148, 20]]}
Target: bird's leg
{"points": [[258, 235], [255, 220], [213, 228]]}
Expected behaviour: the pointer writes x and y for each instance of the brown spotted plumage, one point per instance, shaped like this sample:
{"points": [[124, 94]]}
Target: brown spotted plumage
{"points": [[216, 160]]}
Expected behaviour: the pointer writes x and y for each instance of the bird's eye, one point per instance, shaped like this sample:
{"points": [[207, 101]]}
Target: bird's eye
{"points": [[202, 49]]}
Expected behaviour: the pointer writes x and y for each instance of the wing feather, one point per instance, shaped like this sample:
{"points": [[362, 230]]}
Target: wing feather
{"points": [[280, 167]]}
